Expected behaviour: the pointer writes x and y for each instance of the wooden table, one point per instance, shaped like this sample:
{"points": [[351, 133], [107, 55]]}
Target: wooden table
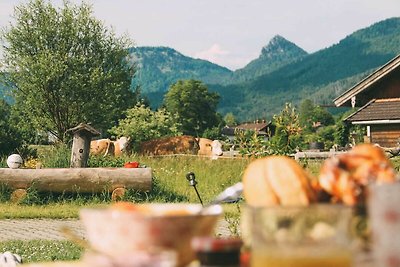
{"points": [[361, 261]]}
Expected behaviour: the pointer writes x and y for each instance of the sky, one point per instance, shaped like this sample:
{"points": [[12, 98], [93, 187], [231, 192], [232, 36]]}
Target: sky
{"points": [[231, 33]]}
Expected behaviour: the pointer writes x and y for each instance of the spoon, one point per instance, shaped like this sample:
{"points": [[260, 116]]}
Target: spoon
{"points": [[230, 194]]}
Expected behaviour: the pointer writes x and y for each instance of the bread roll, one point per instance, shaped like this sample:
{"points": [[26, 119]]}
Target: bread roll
{"points": [[277, 180]]}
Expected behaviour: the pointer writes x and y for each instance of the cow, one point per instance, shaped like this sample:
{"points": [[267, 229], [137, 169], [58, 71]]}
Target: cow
{"points": [[211, 148], [184, 144], [107, 147], [104, 147], [121, 145]]}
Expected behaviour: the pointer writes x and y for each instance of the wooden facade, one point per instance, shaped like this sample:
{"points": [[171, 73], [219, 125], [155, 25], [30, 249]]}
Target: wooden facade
{"points": [[385, 135]]}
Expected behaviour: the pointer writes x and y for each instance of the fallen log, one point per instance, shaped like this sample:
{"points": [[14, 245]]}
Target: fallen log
{"points": [[83, 180]]}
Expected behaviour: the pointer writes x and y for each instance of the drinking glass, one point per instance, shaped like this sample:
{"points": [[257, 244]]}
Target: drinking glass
{"points": [[384, 215], [312, 236]]}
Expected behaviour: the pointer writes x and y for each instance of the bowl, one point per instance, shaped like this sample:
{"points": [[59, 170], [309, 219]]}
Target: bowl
{"points": [[121, 232]]}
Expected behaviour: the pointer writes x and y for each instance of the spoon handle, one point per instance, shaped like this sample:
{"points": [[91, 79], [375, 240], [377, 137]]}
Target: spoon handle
{"points": [[231, 193]]}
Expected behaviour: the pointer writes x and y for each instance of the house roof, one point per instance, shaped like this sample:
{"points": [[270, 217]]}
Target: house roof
{"points": [[367, 82], [260, 127], [255, 126], [386, 110]]}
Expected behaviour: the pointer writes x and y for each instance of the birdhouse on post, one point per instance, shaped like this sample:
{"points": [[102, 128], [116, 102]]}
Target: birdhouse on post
{"points": [[82, 135]]}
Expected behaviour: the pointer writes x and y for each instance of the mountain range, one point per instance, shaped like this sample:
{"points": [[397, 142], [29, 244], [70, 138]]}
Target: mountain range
{"points": [[282, 73]]}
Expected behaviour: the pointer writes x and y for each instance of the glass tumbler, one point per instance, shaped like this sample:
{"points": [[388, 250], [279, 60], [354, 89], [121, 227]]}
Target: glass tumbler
{"points": [[384, 216], [313, 236]]}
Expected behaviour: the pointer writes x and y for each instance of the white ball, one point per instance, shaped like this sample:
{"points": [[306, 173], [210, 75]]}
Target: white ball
{"points": [[14, 161]]}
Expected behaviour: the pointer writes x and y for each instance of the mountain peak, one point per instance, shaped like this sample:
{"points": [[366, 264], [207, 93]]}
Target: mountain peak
{"points": [[279, 46]]}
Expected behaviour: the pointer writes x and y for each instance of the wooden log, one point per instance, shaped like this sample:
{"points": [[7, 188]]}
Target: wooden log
{"points": [[118, 194], [18, 195], [85, 180]]}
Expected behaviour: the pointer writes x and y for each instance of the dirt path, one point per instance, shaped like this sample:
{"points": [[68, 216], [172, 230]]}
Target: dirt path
{"points": [[47, 229]]}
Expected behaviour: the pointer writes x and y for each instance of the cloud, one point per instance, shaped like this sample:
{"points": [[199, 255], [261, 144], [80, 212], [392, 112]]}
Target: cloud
{"points": [[223, 57], [215, 54]]}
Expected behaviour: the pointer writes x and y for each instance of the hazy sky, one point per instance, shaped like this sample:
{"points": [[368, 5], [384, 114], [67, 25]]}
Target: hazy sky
{"points": [[232, 32]]}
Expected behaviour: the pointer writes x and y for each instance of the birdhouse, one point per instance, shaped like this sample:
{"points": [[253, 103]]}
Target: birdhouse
{"points": [[82, 136]]}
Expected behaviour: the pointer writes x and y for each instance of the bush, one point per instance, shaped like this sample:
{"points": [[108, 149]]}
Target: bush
{"points": [[142, 124]]}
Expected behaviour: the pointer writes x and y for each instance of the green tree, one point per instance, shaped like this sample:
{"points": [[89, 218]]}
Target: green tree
{"points": [[230, 119], [194, 105], [323, 116], [309, 114], [142, 124], [66, 66], [342, 130], [306, 114], [287, 132], [9, 135]]}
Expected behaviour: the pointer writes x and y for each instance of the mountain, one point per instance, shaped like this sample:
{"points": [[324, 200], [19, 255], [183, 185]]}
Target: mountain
{"points": [[159, 67], [5, 90], [320, 76], [277, 53]]}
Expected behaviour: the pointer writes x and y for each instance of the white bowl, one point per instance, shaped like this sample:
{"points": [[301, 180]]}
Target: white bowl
{"points": [[162, 226]]}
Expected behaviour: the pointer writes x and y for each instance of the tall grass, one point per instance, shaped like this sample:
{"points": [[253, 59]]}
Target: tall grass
{"points": [[43, 250]]}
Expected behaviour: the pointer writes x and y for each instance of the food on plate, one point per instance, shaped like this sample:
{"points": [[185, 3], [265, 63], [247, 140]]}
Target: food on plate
{"points": [[277, 180], [124, 206], [346, 176], [280, 180], [146, 209]]}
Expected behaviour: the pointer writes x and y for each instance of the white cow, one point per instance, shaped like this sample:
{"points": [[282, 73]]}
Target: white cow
{"points": [[108, 147], [212, 148], [121, 145]]}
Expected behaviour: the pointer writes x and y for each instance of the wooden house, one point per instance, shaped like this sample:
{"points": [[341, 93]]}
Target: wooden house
{"points": [[262, 128], [377, 98]]}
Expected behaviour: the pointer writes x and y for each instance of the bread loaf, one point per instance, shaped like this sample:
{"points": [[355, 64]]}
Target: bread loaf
{"points": [[277, 180]]}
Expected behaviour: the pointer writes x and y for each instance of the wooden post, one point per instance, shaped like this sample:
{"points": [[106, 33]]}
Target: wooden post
{"points": [[81, 144]]}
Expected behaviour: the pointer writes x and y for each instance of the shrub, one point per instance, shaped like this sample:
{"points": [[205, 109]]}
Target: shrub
{"points": [[142, 124]]}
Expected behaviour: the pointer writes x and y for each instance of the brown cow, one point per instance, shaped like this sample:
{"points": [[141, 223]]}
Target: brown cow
{"points": [[102, 147], [209, 147], [170, 145]]}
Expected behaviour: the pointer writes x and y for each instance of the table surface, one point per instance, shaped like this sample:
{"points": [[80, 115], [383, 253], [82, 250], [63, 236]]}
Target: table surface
{"points": [[363, 260]]}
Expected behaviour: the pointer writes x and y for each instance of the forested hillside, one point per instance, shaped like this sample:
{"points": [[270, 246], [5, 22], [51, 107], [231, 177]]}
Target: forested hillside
{"points": [[4, 90], [159, 67], [321, 76]]}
